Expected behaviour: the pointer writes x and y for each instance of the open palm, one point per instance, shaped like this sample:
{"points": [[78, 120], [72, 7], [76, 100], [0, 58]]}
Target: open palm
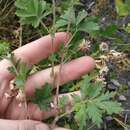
{"points": [[31, 54]]}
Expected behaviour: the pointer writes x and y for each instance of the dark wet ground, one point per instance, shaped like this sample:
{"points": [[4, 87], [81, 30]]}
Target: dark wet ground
{"points": [[123, 78]]}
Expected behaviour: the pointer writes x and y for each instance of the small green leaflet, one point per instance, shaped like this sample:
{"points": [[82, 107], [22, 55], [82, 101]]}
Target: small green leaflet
{"points": [[123, 8], [23, 73], [63, 101], [127, 28], [63, 21], [100, 105], [90, 89], [20, 69], [93, 103], [81, 16], [94, 113], [31, 11], [108, 31], [81, 22], [81, 117], [4, 48], [43, 97], [89, 26]]}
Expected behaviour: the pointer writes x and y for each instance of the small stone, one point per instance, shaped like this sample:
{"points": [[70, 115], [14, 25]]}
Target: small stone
{"points": [[104, 47], [128, 84], [116, 83], [122, 98], [111, 87], [109, 118]]}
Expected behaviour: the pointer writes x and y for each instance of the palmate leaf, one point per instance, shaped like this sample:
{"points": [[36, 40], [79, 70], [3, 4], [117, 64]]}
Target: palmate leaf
{"points": [[89, 89], [110, 107], [81, 116], [43, 97], [63, 21], [94, 113], [23, 73], [96, 102], [100, 105], [81, 16], [30, 11], [89, 26], [63, 101]]}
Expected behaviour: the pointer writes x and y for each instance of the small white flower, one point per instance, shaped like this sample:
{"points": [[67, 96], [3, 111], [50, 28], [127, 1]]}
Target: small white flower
{"points": [[104, 47]]}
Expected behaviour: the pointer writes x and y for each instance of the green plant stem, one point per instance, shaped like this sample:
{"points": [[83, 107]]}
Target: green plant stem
{"points": [[14, 68], [66, 45], [60, 69], [20, 36], [52, 37], [60, 116], [68, 112], [45, 27], [63, 55]]}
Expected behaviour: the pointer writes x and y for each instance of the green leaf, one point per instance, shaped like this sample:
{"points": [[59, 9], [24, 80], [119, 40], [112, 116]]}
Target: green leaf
{"points": [[94, 113], [123, 8], [76, 98], [110, 107], [81, 116], [12, 70], [23, 72], [89, 89], [31, 11], [105, 96], [97, 102], [4, 48], [105, 103], [63, 101], [81, 15], [43, 97], [109, 31], [127, 29], [60, 23], [89, 26], [63, 21]]}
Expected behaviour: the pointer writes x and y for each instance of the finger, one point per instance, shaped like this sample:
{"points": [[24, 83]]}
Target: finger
{"points": [[38, 114], [22, 125], [4, 93], [40, 49], [42, 126], [70, 71], [35, 113], [33, 52]]}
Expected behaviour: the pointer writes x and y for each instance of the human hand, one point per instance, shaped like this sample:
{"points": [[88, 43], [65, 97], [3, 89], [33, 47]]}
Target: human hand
{"points": [[31, 54]]}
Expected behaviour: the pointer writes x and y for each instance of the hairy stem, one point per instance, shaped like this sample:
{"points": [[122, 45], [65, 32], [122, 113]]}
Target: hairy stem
{"points": [[52, 38], [45, 27], [20, 36]]}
